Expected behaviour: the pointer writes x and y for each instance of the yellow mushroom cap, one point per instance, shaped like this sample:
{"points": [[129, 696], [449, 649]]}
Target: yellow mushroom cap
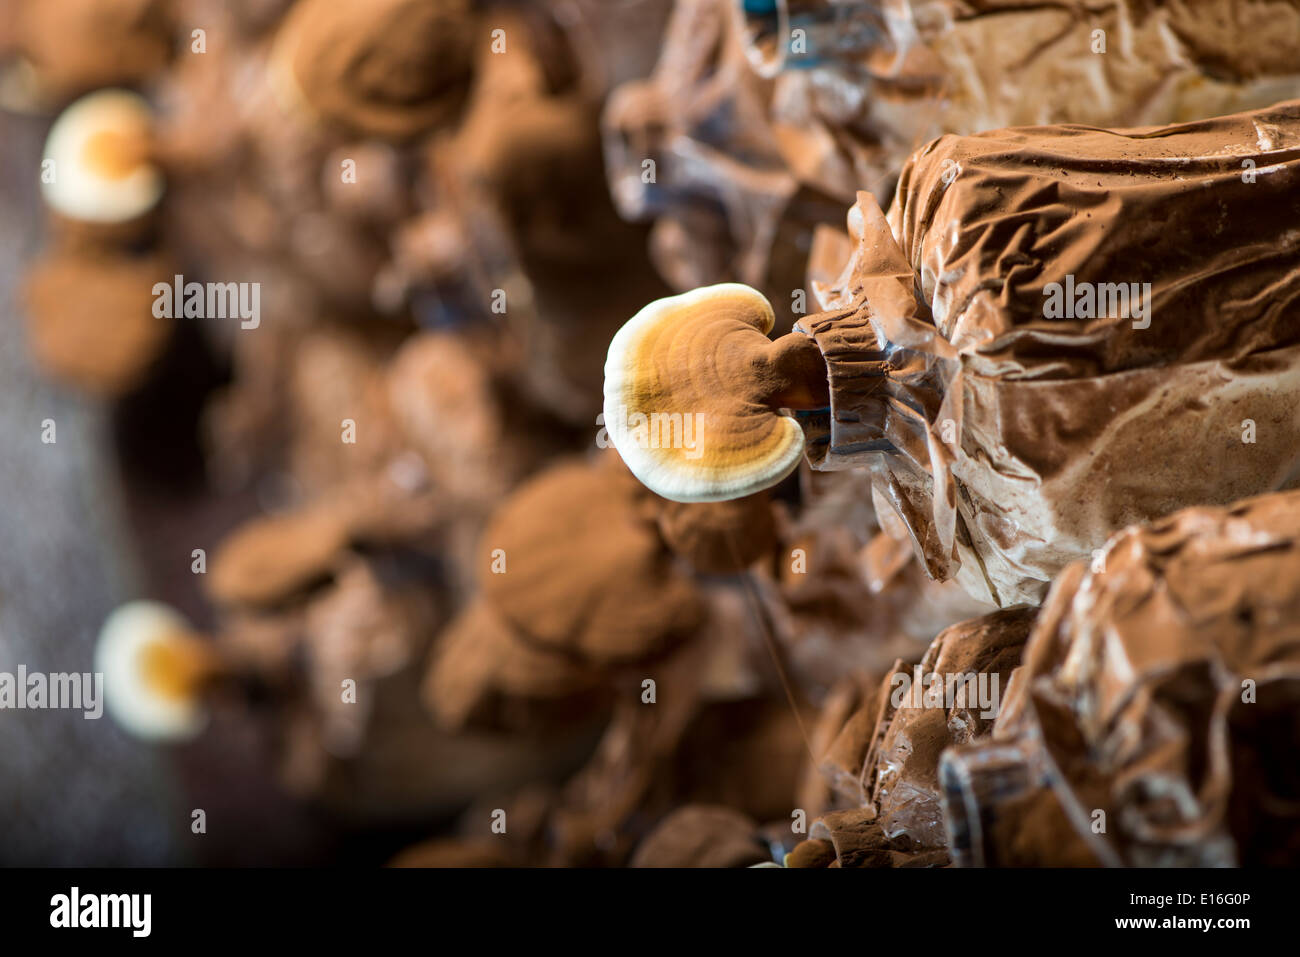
{"points": [[688, 396], [100, 148], [152, 665]]}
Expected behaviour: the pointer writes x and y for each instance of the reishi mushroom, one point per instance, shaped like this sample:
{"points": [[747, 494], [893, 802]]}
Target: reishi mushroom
{"points": [[581, 573], [694, 389], [390, 69], [101, 149], [155, 671], [90, 319]]}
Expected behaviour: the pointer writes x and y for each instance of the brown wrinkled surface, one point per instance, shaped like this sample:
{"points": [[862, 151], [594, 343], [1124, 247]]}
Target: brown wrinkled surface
{"points": [[1057, 432], [901, 769], [386, 68], [873, 85], [859, 841], [585, 570], [1131, 700], [886, 754]]}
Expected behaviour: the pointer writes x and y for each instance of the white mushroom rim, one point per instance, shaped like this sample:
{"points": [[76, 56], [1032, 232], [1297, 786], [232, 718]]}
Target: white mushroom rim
{"points": [[95, 167], [131, 638], [671, 450]]}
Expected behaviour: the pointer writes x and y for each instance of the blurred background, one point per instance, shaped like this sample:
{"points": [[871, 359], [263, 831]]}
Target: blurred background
{"points": [[420, 191]]}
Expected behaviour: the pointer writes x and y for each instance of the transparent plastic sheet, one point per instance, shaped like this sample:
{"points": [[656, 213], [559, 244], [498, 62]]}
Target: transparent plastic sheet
{"points": [[859, 84], [1160, 689], [887, 754], [1011, 443], [693, 140]]}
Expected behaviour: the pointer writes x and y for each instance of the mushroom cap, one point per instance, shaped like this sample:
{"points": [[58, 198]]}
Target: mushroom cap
{"points": [[720, 537], [138, 650], [586, 573], [478, 653], [79, 45], [384, 68], [679, 374], [90, 318], [271, 558], [102, 171]]}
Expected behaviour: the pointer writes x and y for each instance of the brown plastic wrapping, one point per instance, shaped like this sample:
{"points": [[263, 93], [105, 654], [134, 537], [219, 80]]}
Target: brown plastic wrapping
{"points": [[1011, 443], [859, 84], [758, 113], [886, 755], [1155, 712]]}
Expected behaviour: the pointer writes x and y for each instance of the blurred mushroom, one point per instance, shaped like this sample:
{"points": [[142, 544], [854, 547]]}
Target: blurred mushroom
{"points": [[384, 68], [720, 537], [478, 654], [102, 172], [72, 46], [580, 571], [155, 670], [443, 398], [270, 558], [91, 320], [694, 389]]}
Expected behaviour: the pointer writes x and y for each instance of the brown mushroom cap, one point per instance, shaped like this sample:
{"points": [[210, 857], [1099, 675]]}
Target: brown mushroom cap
{"points": [[385, 68], [693, 389], [90, 318], [720, 537], [585, 571], [80, 45], [478, 653], [272, 557]]}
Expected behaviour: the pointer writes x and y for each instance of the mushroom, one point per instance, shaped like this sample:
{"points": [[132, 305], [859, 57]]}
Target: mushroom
{"points": [[90, 319], [390, 69], [103, 171], [155, 671], [478, 654], [720, 537], [272, 558], [581, 571], [694, 389], [71, 46]]}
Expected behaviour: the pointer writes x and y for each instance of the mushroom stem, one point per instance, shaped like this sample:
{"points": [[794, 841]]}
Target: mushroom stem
{"points": [[183, 666], [792, 374], [116, 153]]}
